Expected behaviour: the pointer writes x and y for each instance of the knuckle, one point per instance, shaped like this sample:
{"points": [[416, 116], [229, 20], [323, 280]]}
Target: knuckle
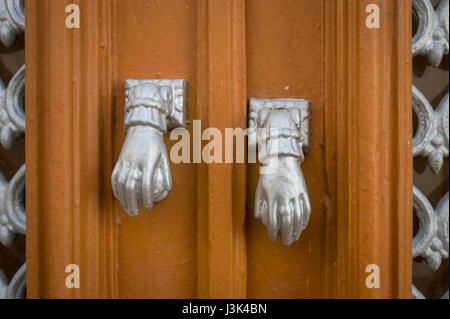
{"points": [[148, 205], [284, 212], [145, 184], [122, 178], [129, 187]]}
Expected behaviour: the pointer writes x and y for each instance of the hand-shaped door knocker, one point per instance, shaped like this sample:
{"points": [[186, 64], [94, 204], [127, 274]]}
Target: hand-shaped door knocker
{"points": [[280, 128], [142, 173]]}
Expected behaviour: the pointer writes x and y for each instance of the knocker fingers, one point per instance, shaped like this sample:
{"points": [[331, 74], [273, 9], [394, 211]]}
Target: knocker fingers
{"points": [[259, 205], [306, 210], [285, 214], [272, 227], [166, 173], [159, 181], [163, 180], [132, 196], [159, 192], [123, 174], [147, 187], [296, 218], [115, 179]]}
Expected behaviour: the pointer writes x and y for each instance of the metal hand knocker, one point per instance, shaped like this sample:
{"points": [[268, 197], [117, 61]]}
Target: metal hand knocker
{"points": [[142, 173], [280, 128]]}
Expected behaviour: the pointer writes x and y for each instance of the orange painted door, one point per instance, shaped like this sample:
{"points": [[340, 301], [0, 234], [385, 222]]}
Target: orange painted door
{"points": [[202, 241]]}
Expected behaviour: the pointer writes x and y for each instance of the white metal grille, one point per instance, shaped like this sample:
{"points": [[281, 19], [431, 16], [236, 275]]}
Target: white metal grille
{"points": [[431, 149], [12, 128]]}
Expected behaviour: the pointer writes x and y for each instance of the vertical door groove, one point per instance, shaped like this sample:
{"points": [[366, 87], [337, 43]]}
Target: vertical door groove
{"points": [[221, 92]]}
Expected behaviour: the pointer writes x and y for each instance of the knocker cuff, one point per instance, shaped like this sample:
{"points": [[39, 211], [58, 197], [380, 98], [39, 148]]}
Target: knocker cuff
{"points": [[280, 142], [160, 104], [146, 116]]}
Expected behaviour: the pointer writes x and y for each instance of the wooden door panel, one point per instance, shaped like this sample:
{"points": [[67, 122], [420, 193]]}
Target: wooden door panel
{"points": [[157, 250], [285, 60]]}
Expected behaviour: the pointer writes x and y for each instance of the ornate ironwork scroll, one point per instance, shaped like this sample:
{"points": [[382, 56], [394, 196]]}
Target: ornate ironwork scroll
{"points": [[12, 125], [431, 139]]}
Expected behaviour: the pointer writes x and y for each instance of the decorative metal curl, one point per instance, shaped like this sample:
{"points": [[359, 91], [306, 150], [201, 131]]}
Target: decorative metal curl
{"points": [[17, 287], [427, 243], [432, 136], [12, 207], [12, 110], [431, 38]]}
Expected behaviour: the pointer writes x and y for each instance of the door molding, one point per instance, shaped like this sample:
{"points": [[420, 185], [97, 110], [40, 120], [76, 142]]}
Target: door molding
{"points": [[368, 147]]}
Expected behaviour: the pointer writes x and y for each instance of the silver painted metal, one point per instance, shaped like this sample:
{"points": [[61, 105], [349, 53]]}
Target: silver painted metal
{"points": [[12, 207], [142, 173], [416, 294], [432, 136], [431, 38], [12, 125], [12, 20], [280, 129], [428, 240], [12, 109], [442, 231], [16, 288]]}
